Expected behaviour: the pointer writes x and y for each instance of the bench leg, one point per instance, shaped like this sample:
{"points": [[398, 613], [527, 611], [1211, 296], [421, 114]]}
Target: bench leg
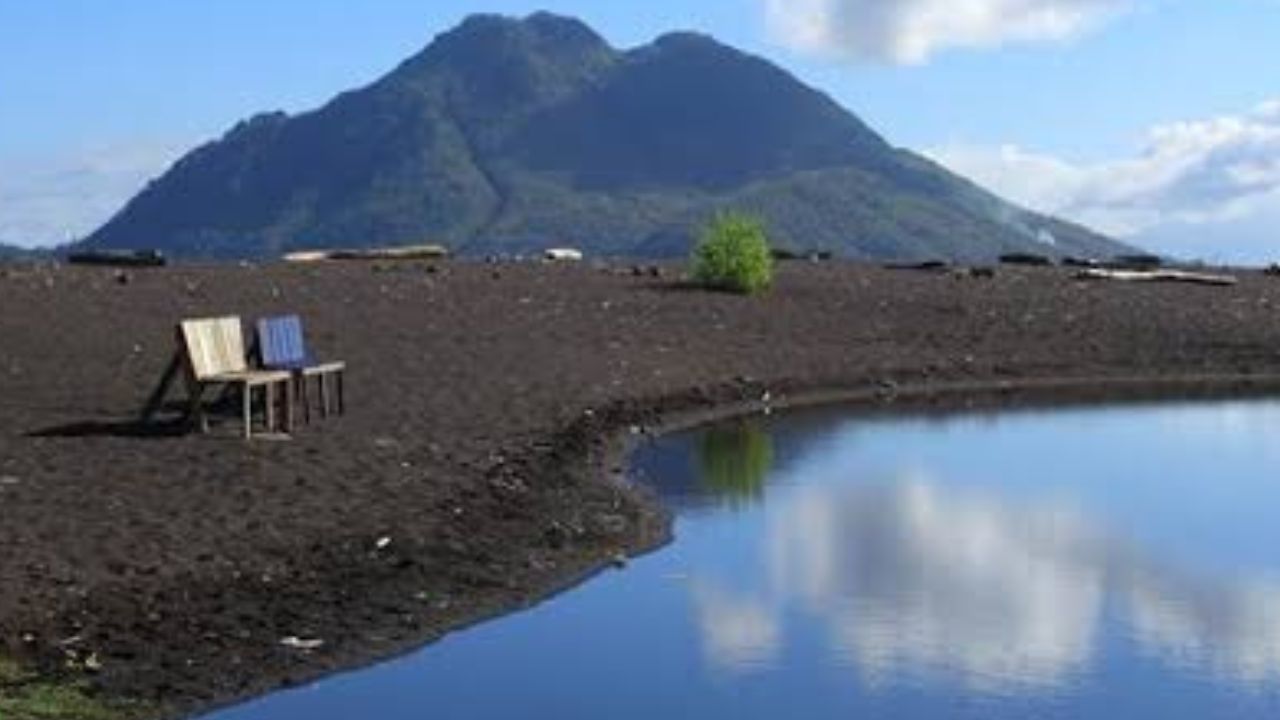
{"points": [[195, 407], [303, 385], [156, 399], [247, 401], [270, 410], [342, 399], [289, 402], [323, 379]]}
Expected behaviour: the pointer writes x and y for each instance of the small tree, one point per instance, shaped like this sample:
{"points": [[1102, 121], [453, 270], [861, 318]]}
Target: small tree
{"points": [[733, 254]]}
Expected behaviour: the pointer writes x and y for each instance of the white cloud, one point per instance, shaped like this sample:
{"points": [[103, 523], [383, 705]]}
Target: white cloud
{"points": [[1207, 188], [910, 31], [49, 200]]}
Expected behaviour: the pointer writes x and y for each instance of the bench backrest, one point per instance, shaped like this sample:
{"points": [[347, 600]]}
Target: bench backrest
{"points": [[214, 346], [281, 342]]}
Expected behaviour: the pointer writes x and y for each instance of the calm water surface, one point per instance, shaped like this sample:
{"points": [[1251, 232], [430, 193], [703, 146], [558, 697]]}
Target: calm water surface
{"points": [[1120, 563]]}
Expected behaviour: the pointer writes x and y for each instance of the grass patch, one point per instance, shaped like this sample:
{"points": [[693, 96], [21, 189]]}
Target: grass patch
{"points": [[10, 672], [24, 696]]}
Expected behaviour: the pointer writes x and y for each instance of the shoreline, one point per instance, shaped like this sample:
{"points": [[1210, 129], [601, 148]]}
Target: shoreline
{"points": [[497, 480], [958, 399], [998, 396]]}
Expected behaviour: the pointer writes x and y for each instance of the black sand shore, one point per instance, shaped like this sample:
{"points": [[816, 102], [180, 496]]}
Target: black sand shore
{"points": [[476, 469]]}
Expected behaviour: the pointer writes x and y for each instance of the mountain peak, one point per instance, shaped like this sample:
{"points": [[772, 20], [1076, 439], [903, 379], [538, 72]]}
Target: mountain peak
{"points": [[541, 28], [563, 29], [485, 45], [687, 39]]}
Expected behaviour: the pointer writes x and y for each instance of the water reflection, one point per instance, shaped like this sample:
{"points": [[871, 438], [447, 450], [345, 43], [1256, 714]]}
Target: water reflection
{"points": [[739, 631], [911, 577], [1105, 563], [733, 462], [1232, 632]]}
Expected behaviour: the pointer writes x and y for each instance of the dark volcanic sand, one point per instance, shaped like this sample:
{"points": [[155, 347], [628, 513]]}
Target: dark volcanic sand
{"points": [[483, 406]]}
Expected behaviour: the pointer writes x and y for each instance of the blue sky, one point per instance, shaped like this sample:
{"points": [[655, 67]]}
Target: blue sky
{"points": [[1111, 112]]}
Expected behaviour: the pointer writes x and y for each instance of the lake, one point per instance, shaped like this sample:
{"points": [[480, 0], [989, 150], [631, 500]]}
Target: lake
{"points": [[1085, 563]]}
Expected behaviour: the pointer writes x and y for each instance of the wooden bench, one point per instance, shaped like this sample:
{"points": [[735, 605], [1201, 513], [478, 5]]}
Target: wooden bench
{"points": [[211, 354], [283, 346]]}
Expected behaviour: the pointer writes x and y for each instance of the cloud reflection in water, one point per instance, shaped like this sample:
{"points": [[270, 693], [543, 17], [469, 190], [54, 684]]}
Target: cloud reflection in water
{"points": [[1231, 632], [739, 632], [913, 578], [909, 576]]}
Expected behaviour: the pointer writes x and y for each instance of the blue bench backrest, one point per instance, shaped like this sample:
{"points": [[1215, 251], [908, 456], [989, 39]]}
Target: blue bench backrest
{"points": [[281, 343]]}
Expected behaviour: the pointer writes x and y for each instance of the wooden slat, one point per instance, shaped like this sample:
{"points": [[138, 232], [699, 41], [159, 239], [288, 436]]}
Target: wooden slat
{"points": [[215, 346], [281, 341]]}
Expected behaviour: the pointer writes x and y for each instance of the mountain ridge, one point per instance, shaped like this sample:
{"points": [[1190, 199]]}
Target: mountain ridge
{"points": [[14, 252], [506, 135]]}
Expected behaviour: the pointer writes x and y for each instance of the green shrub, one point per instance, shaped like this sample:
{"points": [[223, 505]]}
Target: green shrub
{"points": [[733, 254]]}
